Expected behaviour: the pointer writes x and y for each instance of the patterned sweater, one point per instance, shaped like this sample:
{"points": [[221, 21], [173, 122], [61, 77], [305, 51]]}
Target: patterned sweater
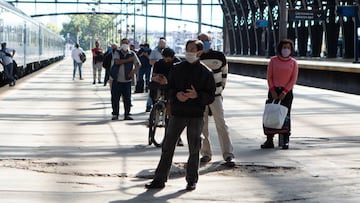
{"points": [[216, 61]]}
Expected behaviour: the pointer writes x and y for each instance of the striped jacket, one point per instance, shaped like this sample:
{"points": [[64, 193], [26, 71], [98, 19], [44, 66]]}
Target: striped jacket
{"points": [[216, 61]]}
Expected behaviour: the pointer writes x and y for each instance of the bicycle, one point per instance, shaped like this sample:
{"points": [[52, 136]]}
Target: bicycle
{"points": [[159, 117]]}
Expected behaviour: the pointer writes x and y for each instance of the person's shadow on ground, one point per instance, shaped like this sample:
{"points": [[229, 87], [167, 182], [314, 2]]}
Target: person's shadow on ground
{"points": [[149, 196]]}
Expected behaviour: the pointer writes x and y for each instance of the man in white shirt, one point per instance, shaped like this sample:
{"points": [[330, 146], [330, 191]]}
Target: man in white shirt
{"points": [[75, 55]]}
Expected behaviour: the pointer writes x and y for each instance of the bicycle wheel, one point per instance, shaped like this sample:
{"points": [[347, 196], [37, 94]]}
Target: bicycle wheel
{"points": [[158, 117], [152, 126]]}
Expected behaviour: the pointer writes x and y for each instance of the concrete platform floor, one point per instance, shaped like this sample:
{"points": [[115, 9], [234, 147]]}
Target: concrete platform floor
{"points": [[58, 144]]}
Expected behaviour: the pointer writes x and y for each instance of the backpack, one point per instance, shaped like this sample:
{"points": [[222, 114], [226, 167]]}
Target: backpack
{"points": [[82, 57], [107, 60], [99, 56]]}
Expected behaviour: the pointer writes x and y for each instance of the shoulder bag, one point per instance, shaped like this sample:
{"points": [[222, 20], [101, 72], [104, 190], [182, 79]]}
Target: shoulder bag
{"points": [[274, 115]]}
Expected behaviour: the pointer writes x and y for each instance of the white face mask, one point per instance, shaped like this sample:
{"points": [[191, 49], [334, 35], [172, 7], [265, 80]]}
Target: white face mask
{"points": [[124, 47], [191, 57], [285, 52]]}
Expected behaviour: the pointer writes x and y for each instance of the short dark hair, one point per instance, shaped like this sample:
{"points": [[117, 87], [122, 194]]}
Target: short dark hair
{"points": [[285, 41], [168, 52], [199, 44], [123, 40]]}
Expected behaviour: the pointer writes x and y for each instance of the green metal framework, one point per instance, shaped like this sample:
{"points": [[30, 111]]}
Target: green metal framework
{"points": [[251, 26], [330, 35]]}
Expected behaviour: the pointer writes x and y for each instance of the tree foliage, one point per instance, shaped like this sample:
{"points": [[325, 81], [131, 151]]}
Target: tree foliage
{"points": [[53, 27], [86, 29]]}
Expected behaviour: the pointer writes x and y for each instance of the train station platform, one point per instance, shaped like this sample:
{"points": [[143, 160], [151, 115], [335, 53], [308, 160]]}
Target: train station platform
{"points": [[58, 144], [334, 74]]}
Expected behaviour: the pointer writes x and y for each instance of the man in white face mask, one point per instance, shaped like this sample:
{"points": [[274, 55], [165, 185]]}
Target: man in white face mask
{"points": [[217, 62], [191, 87], [126, 63]]}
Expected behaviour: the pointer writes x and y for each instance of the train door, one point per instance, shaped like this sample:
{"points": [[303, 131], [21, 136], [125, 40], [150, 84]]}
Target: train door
{"points": [[25, 40], [2, 26], [40, 43]]}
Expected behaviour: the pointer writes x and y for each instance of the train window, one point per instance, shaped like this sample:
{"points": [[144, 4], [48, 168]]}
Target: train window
{"points": [[19, 34], [11, 33], [33, 37]]}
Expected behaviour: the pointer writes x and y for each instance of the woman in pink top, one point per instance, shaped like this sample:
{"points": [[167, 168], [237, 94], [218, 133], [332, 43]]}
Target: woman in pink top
{"points": [[282, 73]]}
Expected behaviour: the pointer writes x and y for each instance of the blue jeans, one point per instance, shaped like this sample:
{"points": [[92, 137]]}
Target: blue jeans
{"points": [[9, 72], [149, 102], [175, 127], [76, 64], [146, 72], [119, 89]]}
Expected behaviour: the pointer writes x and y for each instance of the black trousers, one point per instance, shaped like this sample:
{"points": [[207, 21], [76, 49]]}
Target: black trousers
{"points": [[175, 127]]}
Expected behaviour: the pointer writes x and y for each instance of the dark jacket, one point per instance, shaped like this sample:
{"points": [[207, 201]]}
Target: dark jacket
{"points": [[107, 60], [181, 77], [114, 71]]}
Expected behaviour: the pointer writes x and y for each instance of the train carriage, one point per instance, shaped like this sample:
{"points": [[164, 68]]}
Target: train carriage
{"points": [[36, 46]]}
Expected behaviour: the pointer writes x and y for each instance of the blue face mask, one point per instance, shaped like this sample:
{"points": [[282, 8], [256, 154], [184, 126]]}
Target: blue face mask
{"points": [[207, 45]]}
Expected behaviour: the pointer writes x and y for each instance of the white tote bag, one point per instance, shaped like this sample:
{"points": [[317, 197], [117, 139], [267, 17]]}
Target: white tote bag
{"points": [[274, 115]]}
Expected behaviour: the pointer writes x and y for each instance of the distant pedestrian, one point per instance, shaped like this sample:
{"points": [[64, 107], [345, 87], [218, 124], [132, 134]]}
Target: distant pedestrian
{"points": [[145, 68], [98, 58], [75, 55], [217, 62], [282, 74], [156, 52], [108, 62], [161, 72], [6, 56], [155, 56], [125, 65], [191, 88]]}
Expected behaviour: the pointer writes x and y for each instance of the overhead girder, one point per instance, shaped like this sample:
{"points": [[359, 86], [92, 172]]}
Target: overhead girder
{"points": [[335, 33], [243, 37]]}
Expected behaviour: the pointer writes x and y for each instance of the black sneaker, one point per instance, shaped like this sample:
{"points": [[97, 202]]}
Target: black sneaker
{"points": [[155, 185], [267, 145], [115, 117], [128, 118], [229, 162], [191, 186], [205, 159]]}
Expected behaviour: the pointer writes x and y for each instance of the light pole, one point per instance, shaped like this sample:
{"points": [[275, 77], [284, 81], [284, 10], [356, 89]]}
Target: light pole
{"points": [[283, 20], [199, 16], [134, 23], [164, 35], [146, 21]]}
